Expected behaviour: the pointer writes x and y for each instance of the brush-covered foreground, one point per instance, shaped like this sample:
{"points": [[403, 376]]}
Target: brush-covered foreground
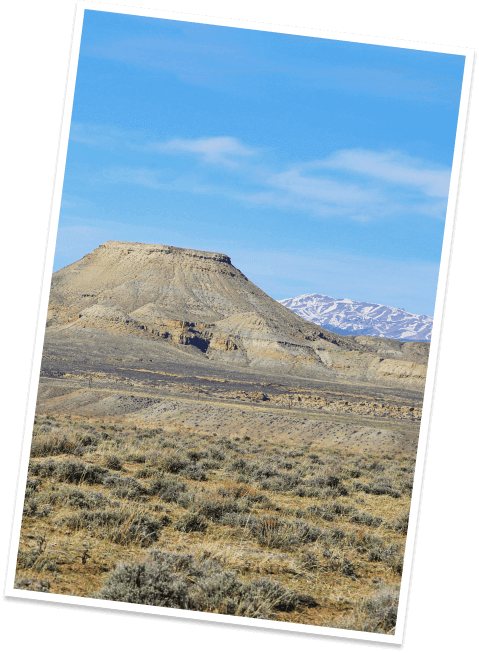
{"points": [[216, 524]]}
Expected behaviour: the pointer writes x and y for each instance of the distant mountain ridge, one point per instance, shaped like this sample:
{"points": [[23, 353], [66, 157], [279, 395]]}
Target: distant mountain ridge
{"points": [[348, 317]]}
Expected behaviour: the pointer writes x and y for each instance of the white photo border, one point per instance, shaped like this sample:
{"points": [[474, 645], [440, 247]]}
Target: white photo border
{"points": [[469, 54]]}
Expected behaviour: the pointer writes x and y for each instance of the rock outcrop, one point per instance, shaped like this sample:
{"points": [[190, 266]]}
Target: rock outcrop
{"points": [[199, 303]]}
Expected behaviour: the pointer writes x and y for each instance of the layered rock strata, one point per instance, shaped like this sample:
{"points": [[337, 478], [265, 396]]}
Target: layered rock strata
{"points": [[198, 303]]}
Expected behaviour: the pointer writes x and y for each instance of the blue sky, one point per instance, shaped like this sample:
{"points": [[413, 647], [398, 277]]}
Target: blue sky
{"points": [[317, 165]]}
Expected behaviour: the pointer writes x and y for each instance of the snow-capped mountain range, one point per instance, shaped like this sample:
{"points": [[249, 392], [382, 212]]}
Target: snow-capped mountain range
{"points": [[349, 317]]}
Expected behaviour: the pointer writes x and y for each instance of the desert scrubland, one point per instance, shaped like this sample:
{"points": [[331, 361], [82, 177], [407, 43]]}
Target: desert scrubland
{"points": [[199, 446]]}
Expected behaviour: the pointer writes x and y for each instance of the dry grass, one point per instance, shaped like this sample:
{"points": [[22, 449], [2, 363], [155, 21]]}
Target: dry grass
{"points": [[273, 520]]}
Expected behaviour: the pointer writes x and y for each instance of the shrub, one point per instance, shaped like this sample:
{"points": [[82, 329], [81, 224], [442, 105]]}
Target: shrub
{"points": [[195, 473], [332, 480], [389, 555], [75, 498], [137, 458], [384, 488], [239, 465], [366, 519], [375, 614], [281, 482], [44, 470], [70, 471], [407, 484], [148, 583], [279, 533], [262, 595], [32, 486], [310, 561], [36, 558], [401, 523], [113, 462], [145, 472], [264, 471], [216, 453], [195, 455], [119, 526], [53, 444], [88, 440], [174, 464], [348, 569], [73, 471], [379, 487], [32, 584], [168, 489], [180, 581], [125, 486], [376, 466], [329, 511], [191, 522], [380, 611], [30, 507], [214, 509], [209, 463], [44, 510], [145, 529]]}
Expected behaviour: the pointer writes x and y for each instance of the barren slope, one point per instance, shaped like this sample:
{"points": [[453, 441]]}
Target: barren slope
{"points": [[127, 297]]}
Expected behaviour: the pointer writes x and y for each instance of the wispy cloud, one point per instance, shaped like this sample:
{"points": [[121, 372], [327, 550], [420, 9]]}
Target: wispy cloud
{"points": [[356, 184], [359, 184], [391, 166], [319, 188], [218, 149], [162, 179]]}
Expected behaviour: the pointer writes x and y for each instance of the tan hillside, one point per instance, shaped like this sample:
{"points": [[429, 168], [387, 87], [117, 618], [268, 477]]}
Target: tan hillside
{"points": [[199, 303]]}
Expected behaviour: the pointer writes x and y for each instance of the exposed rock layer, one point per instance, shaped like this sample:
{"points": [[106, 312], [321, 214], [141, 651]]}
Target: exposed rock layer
{"points": [[198, 303]]}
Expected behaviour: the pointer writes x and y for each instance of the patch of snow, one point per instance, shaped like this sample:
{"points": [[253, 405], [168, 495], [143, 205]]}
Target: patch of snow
{"points": [[360, 318]]}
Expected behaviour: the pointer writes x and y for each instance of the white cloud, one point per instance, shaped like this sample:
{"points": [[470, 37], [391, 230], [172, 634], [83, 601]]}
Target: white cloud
{"points": [[391, 166], [356, 184], [321, 189], [218, 149]]}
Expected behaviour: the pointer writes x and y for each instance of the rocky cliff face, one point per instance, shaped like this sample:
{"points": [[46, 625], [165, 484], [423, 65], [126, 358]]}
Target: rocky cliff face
{"points": [[199, 303]]}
